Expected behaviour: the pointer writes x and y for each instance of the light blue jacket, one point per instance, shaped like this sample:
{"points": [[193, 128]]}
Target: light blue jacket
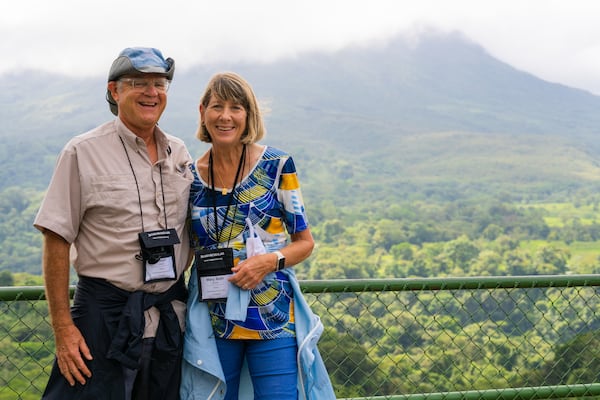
{"points": [[202, 376]]}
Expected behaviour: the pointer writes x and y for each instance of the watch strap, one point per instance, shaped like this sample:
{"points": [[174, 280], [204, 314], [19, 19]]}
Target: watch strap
{"points": [[280, 260]]}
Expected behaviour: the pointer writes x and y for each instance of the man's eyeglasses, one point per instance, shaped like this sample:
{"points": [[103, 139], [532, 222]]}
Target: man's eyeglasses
{"points": [[141, 84]]}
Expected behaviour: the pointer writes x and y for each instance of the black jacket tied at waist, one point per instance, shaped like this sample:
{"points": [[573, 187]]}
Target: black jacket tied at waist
{"points": [[126, 346], [112, 322]]}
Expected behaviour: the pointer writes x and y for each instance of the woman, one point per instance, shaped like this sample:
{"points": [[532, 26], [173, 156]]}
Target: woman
{"points": [[245, 310]]}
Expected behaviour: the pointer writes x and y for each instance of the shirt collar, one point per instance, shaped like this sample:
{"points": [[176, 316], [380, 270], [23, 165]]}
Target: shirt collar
{"points": [[136, 143]]}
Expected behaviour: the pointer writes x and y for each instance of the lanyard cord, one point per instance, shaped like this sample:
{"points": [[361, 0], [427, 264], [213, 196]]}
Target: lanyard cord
{"points": [[162, 189], [232, 197]]}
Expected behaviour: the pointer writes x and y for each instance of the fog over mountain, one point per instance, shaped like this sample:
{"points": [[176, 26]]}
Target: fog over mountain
{"points": [[422, 107]]}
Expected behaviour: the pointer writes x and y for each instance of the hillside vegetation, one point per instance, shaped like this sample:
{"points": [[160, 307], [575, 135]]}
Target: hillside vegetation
{"points": [[416, 159], [397, 144]]}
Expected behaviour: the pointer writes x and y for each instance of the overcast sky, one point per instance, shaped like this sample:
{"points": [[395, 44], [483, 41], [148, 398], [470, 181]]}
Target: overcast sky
{"points": [[558, 41]]}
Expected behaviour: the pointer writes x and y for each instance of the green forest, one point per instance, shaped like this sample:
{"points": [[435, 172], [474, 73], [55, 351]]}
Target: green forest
{"points": [[421, 236]]}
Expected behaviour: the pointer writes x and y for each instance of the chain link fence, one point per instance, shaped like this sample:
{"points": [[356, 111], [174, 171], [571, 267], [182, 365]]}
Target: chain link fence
{"points": [[479, 338]]}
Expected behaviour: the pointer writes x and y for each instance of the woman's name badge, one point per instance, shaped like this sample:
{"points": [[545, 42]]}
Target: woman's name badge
{"points": [[214, 269]]}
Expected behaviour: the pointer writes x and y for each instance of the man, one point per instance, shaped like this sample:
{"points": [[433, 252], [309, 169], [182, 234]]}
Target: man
{"points": [[117, 205]]}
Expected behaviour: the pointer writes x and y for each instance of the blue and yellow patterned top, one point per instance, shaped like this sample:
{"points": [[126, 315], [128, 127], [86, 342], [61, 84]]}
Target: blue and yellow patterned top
{"points": [[270, 196]]}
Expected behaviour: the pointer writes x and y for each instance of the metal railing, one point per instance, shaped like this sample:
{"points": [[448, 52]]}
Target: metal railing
{"points": [[529, 337]]}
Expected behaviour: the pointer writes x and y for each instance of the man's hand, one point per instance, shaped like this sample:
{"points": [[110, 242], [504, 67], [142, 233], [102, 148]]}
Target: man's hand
{"points": [[70, 347], [70, 344]]}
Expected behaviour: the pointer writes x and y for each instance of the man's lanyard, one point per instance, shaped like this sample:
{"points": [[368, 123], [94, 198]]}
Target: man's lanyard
{"points": [[241, 164], [162, 189], [157, 252]]}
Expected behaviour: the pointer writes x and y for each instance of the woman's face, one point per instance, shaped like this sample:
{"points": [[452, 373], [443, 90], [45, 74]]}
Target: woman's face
{"points": [[224, 120]]}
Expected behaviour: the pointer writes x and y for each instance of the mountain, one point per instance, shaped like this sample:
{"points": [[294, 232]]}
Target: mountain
{"points": [[399, 115]]}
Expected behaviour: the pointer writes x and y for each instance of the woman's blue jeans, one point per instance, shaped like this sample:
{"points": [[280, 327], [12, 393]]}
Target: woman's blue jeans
{"points": [[272, 366]]}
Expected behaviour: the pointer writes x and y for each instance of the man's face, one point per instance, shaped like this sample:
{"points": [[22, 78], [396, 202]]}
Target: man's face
{"points": [[141, 100]]}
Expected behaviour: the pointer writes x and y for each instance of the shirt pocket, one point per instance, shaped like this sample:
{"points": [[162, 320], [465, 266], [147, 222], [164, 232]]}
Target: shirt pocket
{"points": [[114, 200]]}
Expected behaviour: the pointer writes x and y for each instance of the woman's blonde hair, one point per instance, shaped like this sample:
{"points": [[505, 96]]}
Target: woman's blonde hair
{"points": [[229, 86]]}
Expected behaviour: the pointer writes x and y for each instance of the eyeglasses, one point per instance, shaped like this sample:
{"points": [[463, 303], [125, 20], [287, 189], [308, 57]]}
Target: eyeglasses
{"points": [[141, 84]]}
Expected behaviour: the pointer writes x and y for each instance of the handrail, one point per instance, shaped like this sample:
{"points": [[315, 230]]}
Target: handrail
{"points": [[16, 293], [523, 393], [11, 293], [449, 283]]}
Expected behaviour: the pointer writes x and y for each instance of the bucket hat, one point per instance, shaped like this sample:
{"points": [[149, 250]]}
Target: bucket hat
{"points": [[138, 61]]}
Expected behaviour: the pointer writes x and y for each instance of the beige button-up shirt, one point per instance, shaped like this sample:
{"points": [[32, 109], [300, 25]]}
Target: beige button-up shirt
{"points": [[92, 202]]}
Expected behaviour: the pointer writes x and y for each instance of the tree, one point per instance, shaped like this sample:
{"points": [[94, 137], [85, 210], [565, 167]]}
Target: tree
{"points": [[402, 251], [518, 262], [388, 233], [492, 232], [461, 252], [574, 362], [488, 262], [349, 364], [331, 230], [551, 260], [6, 278]]}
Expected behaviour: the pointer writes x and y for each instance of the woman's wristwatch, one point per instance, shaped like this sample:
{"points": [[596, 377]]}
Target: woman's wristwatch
{"points": [[280, 260]]}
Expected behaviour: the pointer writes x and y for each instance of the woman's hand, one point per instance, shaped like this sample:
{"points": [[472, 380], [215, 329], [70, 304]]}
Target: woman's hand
{"points": [[247, 274], [250, 272]]}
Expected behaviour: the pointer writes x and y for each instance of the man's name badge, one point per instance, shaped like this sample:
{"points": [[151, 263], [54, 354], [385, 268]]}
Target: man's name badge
{"points": [[214, 269], [158, 255]]}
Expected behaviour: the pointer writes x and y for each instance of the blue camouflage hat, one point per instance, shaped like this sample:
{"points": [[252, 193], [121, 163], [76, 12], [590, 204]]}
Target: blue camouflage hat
{"points": [[136, 61]]}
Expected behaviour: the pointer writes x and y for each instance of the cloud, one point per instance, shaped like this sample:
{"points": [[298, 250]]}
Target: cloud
{"points": [[555, 40]]}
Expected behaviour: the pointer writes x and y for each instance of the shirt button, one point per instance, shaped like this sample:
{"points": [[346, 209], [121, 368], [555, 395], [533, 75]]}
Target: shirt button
{"points": [[199, 362]]}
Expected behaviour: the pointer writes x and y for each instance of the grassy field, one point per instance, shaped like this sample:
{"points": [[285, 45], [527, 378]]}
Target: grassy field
{"points": [[584, 256], [559, 214]]}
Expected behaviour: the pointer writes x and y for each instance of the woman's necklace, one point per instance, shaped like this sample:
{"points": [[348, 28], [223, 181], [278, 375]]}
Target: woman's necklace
{"points": [[240, 168], [224, 190]]}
